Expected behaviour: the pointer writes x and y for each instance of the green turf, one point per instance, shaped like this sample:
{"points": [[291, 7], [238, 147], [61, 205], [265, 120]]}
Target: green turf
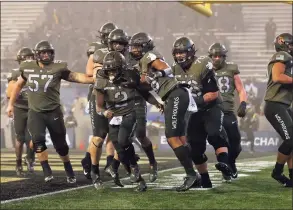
{"points": [[256, 191]]}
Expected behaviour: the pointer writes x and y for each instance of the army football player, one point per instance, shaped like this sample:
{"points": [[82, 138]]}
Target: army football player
{"points": [[20, 115], [207, 122], [278, 98], [118, 41], [99, 124], [155, 72], [95, 152], [228, 79], [113, 88], [43, 78]]}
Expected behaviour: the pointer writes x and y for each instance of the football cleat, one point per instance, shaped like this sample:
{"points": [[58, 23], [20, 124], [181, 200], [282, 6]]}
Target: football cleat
{"points": [[71, 179], [153, 172], [224, 168], [135, 174], [141, 187], [189, 181], [49, 179], [19, 171], [97, 182], [86, 168]]}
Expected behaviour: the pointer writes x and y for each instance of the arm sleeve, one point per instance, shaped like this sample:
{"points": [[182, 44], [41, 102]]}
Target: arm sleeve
{"points": [[209, 82]]}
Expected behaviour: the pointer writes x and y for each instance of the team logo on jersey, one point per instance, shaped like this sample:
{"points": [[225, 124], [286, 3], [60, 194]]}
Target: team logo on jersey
{"points": [[280, 57], [209, 65], [151, 57]]}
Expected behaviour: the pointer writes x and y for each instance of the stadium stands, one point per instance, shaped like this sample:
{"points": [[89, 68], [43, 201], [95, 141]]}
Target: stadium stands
{"points": [[249, 48], [17, 18]]}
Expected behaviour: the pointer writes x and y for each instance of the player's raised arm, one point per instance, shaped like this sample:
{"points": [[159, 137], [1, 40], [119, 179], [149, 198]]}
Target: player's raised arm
{"points": [[77, 77]]}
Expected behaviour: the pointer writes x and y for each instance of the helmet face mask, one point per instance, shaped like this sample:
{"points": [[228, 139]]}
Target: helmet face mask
{"points": [[180, 56], [117, 46], [44, 52], [113, 74], [183, 52], [284, 42], [136, 51], [140, 44], [218, 53], [113, 65], [25, 53], [218, 61]]}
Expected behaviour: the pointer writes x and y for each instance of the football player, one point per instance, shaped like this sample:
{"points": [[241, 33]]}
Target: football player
{"points": [[115, 85], [43, 77], [99, 123], [228, 79], [208, 121], [278, 98], [20, 115], [118, 41], [155, 72]]}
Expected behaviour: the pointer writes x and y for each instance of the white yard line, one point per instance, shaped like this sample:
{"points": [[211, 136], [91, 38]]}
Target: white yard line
{"points": [[71, 189], [245, 166]]}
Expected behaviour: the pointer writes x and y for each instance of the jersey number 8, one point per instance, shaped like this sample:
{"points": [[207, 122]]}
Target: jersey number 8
{"points": [[224, 84], [33, 78]]}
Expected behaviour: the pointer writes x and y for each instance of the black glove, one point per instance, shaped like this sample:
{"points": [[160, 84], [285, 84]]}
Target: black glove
{"points": [[241, 112]]}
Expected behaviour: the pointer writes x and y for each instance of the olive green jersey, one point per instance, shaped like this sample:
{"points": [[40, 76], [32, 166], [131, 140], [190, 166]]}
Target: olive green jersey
{"points": [[161, 85], [22, 99], [96, 46], [195, 75], [282, 93], [43, 84], [226, 83], [119, 99], [99, 55]]}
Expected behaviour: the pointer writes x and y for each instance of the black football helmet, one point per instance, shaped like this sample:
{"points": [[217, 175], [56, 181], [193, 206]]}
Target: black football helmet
{"points": [[218, 53], [284, 42], [183, 52], [118, 40], [93, 47], [140, 44], [44, 47], [104, 32], [24, 53], [113, 65]]}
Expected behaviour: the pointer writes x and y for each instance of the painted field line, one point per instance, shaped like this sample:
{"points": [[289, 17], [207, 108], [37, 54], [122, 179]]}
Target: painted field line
{"points": [[72, 189]]}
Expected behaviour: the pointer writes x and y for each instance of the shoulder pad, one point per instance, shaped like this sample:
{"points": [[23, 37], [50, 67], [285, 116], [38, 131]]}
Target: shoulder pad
{"points": [[151, 56], [232, 67], [99, 55], [100, 83], [281, 56]]}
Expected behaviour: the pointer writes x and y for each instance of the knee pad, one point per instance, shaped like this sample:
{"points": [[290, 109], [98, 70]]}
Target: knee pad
{"points": [[40, 147], [97, 141], [286, 147], [199, 159], [63, 151], [218, 141]]}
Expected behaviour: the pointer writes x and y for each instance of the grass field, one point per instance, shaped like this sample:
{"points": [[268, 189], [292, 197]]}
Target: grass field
{"points": [[254, 189]]}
